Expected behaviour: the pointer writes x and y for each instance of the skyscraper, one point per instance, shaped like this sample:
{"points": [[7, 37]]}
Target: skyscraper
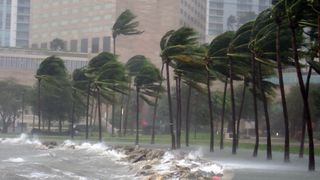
{"points": [[224, 15], [14, 23]]}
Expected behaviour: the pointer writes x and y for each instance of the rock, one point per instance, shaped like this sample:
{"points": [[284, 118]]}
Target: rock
{"points": [[139, 158], [147, 167], [50, 144]]}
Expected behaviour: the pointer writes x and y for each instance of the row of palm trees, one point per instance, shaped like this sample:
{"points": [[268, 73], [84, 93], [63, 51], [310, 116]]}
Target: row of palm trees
{"points": [[104, 78], [251, 54]]}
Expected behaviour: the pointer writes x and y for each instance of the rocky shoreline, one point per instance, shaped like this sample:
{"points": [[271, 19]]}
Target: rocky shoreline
{"points": [[147, 163], [157, 164]]}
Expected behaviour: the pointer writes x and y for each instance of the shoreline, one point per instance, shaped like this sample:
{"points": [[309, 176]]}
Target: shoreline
{"points": [[148, 163]]}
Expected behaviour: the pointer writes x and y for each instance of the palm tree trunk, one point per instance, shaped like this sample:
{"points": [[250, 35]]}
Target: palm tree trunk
{"points": [[107, 114], [22, 115], [240, 111], [49, 125], [234, 142], [99, 113], [113, 112], [222, 114], [33, 119], [283, 98], [187, 115], [155, 108], [137, 117], [87, 112], [121, 115], [266, 113], [178, 112], [39, 104], [114, 45], [304, 96], [303, 132], [210, 113], [256, 121], [125, 124], [72, 114], [173, 144], [60, 126]]}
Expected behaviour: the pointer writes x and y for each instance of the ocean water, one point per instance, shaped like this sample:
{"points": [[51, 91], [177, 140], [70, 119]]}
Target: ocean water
{"points": [[23, 158]]}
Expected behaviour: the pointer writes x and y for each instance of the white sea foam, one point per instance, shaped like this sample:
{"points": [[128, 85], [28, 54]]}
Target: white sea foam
{"points": [[22, 139], [209, 168], [97, 148], [70, 174], [14, 160], [39, 175], [193, 155]]}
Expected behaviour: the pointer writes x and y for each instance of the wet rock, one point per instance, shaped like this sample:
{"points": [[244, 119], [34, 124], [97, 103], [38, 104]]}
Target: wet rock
{"points": [[139, 158], [50, 144], [146, 167]]}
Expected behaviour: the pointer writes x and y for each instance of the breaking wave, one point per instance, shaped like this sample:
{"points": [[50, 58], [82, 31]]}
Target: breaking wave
{"points": [[22, 139]]}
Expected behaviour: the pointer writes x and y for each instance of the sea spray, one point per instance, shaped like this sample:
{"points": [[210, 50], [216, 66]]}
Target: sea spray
{"points": [[14, 160], [22, 139]]}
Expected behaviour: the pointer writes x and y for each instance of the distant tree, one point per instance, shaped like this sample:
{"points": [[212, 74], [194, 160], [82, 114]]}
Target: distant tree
{"points": [[58, 45], [10, 102], [55, 86], [231, 23]]}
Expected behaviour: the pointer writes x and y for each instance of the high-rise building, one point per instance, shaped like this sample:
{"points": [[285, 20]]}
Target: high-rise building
{"points": [[224, 15], [85, 26], [156, 17], [14, 23]]}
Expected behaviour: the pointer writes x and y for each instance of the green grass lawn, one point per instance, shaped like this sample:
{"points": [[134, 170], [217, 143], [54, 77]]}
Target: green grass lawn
{"points": [[198, 139]]}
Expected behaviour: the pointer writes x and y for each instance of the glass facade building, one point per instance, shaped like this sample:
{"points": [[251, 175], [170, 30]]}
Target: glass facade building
{"points": [[224, 15], [14, 23]]}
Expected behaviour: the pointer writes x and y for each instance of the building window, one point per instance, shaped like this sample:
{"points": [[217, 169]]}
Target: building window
{"points": [[73, 45], [95, 45], [44, 46], [84, 45], [34, 46], [106, 44]]}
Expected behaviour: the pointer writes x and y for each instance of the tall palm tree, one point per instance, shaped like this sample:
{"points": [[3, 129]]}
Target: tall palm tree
{"points": [[219, 61], [173, 43], [294, 13], [125, 25], [146, 82], [240, 63], [107, 76], [81, 83]]}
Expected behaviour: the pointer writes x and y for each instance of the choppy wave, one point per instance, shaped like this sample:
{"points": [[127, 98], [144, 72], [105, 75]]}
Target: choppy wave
{"points": [[22, 139], [39, 175], [191, 160], [14, 160], [96, 148]]}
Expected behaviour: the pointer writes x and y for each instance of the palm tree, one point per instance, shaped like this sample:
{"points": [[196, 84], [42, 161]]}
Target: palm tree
{"points": [[107, 76], [173, 43], [124, 25], [146, 82], [81, 83], [217, 54], [294, 13], [239, 64]]}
